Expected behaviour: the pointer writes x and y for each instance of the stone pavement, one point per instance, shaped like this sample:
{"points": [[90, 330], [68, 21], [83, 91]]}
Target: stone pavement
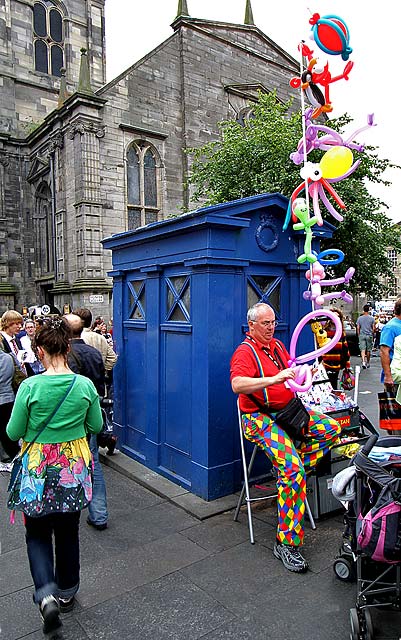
{"points": [[171, 566]]}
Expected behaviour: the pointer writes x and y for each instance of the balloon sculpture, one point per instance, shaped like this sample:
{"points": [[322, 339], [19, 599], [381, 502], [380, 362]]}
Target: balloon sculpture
{"points": [[331, 35], [317, 74], [330, 139]]}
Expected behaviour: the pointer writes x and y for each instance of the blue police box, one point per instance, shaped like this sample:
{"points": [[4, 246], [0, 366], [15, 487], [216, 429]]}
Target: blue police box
{"points": [[181, 290]]}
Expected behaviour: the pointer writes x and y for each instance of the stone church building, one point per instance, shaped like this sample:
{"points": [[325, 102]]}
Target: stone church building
{"points": [[82, 159]]}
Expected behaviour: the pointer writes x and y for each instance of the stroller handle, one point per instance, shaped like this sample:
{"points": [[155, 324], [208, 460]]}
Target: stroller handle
{"points": [[368, 446]]}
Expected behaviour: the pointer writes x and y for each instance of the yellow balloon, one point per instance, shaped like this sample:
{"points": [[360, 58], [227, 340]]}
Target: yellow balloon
{"points": [[336, 162]]}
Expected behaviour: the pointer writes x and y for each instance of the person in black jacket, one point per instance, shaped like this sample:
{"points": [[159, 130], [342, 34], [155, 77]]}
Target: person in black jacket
{"points": [[88, 361]]}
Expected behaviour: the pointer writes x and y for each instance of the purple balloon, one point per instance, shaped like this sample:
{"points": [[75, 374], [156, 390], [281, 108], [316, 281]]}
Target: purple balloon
{"points": [[317, 352]]}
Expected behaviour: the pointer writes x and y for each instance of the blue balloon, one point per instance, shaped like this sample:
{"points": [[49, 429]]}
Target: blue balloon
{"points": [[331, 252]]}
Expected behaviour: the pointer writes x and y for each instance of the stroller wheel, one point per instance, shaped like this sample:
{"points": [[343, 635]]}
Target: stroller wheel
{"points": [[344, 569], [370, 634], [355, 626]]}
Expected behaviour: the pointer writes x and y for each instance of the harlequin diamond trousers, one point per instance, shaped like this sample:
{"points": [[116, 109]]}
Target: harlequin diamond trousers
{"points": [[291, 463]]}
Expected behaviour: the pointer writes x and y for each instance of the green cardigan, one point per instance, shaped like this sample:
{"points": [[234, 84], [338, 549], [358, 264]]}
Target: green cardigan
{"points": [[39, 395]]}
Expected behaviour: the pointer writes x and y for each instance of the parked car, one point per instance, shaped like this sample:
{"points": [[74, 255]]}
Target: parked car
{"points": [[352, 338]]}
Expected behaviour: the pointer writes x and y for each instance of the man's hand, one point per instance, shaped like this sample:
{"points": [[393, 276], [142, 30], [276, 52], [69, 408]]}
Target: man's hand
{"points": [[286, 374]]}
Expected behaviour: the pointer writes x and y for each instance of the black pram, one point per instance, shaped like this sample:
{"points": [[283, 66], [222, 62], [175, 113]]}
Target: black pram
{"points": [[373, 485]]}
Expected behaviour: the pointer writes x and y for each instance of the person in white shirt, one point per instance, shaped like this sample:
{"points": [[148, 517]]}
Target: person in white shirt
{"points": [[26, 343]]}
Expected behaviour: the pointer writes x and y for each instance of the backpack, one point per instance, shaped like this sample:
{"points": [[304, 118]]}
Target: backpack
{"points": [[380, 529]]}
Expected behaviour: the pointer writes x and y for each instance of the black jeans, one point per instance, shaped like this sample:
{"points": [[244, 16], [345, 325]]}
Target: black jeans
{"points": [[63, 578]]}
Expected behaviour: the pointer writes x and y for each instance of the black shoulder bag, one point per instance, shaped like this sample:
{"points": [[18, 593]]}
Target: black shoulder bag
{"points": [[294, 418]]}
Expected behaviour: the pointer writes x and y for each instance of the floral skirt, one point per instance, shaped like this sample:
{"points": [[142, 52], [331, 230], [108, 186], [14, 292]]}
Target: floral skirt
{"points": [[55, 478]]}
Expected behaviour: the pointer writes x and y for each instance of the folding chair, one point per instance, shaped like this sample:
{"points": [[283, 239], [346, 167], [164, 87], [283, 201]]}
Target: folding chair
{"points": [[248, 481]]}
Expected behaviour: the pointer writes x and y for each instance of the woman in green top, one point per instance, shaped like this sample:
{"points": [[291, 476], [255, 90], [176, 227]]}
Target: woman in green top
{"points": [[56, 481]]}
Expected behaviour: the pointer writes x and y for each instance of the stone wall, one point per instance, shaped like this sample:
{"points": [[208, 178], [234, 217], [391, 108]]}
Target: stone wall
{"points": [[180, 91]]}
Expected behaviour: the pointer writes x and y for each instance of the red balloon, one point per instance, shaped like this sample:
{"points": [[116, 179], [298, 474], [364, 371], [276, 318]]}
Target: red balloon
{"points": [[329, 37]]}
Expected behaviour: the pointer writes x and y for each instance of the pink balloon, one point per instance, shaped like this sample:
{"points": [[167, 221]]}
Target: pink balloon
{"points": [[317, 352], [303, 379]]}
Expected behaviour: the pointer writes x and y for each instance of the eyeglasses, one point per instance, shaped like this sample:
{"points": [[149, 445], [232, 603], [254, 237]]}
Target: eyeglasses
{"points": [[268, 323]]}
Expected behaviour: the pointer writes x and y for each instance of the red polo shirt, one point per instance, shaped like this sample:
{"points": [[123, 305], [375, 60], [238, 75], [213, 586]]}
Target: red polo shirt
{"points": [[244, 364]]}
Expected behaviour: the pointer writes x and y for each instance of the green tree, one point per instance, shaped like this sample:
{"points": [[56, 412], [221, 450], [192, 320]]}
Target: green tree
{"points": [[255, 158]]}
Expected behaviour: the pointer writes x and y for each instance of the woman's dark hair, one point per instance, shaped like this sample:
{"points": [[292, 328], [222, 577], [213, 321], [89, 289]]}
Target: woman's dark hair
{"points": [[96, 324], [53, 334]]}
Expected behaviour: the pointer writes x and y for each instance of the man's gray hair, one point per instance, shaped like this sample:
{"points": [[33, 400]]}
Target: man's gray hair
{"points": [[253, 311]]}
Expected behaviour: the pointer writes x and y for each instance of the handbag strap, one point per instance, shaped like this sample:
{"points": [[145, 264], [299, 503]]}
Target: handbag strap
{"points": [[53, 413], [262, 375]]}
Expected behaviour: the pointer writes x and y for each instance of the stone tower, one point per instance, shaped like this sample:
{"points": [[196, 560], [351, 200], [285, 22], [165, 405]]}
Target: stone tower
{"points": [[49, 50], [37, 39]]}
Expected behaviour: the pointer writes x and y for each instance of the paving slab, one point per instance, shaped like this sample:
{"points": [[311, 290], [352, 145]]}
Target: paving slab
{"points": [[221, 532], [135, 567], [14, 571], [169, 608], [240, 575], [163, 487], [19, 616], [240, 629], [142, 475]]}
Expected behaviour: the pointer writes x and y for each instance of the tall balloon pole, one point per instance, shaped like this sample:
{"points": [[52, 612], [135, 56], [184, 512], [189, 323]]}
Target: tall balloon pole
{"points": [[331, 35]]}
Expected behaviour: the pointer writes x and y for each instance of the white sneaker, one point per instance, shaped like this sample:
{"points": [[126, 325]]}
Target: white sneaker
{"points": [[290, 557]]}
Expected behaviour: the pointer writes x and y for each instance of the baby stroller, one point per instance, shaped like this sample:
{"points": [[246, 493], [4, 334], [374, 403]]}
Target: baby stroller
{"points": [[371, 549], [106, 437]]}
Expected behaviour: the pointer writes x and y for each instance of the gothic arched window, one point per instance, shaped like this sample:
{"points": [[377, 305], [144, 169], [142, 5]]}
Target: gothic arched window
{"points": [[48, 38], [43, 229], [142, 184]]}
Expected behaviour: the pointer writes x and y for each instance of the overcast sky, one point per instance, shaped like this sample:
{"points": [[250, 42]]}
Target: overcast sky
{"points": [[134, 28]]}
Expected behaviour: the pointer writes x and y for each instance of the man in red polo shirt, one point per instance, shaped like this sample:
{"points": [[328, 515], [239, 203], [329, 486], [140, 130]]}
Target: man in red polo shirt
{"points": [[290, 461]]}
